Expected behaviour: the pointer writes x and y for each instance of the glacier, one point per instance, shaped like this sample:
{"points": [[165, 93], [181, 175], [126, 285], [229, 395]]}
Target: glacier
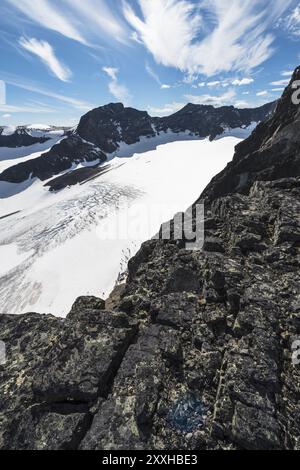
{"points": [[55, 246]]}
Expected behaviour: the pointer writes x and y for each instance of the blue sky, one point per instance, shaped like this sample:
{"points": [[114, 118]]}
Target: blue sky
{"points": [[60, 58]]}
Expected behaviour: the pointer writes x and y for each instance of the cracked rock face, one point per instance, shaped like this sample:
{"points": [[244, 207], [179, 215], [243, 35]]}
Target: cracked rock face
{"points": [[195, 351], [270, 153], [56, 370]]}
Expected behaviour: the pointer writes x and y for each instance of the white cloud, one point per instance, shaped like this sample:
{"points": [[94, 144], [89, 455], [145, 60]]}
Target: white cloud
{"points": [[243, 81], [278, 90], [119, 91], [213, 84], [167, 109], [99, 16], [45, 52], [234, 37], [153, 74], [5, 108], [287, 73], [111, 72], [7, 116], [281, 82], [293, 21], [262, 93], [44, 13], [242, 104], [71, 17], [201, 84], [221, 100]]}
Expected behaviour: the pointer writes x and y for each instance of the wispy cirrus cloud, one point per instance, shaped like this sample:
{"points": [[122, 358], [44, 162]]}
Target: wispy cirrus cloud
{"points": [[33, 87], [284, 82], [243, 81], [154, 75], [46, 54], [46, 14], [112, 72], [226, 83], [119, 91], [218, 100], [71, 17], [235, 36], [262, 93], [216, 83], [100, 18], [292, 21], [23, 109], [167, 109]]}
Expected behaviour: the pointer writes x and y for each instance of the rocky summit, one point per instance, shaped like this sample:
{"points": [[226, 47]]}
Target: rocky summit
{"points": [[195, 351]]}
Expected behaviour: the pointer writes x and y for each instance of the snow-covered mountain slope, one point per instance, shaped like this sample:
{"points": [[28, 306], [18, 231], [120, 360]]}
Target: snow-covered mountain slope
{"points": [[56, 246], [10, 156]]}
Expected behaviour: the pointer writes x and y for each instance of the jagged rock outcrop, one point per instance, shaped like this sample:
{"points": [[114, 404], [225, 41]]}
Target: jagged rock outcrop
{"points": [[102, 130], [196, 349], [270, 153]]}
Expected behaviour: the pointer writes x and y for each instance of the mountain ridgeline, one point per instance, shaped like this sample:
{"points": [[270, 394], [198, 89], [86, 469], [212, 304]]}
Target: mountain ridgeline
{"points": [[19, 138], [195, 351], [101, 132]]}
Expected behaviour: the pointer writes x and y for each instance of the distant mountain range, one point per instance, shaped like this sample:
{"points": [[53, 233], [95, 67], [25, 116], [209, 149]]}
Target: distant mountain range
{"points": [[25, 136], [104, 130]]}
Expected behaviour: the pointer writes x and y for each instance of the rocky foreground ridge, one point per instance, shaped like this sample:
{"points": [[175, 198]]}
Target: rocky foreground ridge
{"points": [[195, 351], [103, 130]]}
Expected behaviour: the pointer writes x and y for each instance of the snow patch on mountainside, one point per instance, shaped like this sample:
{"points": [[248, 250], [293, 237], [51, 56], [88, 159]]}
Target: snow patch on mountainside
{"points": [[40, 127], [64, 243], [239, 132], [9, 130]]}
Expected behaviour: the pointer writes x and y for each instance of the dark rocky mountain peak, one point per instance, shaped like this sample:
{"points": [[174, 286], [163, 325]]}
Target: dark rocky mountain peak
{"points": [[111, 124]]}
